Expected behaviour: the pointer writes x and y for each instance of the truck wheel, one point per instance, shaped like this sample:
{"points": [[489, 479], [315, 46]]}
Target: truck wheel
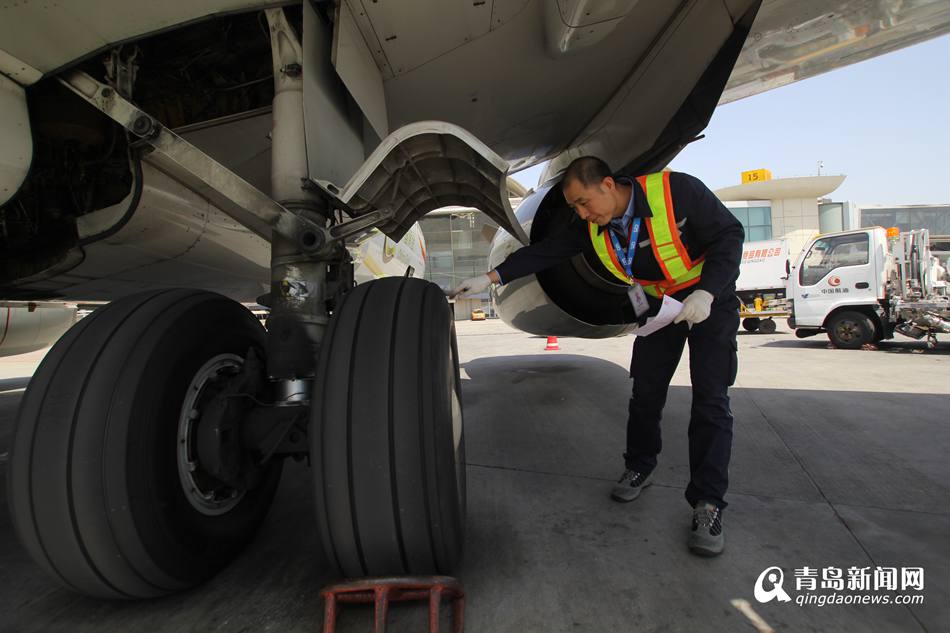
{"points": [[386, 433], [751, 324], [95, 484], [850, 330], [767, 326]]}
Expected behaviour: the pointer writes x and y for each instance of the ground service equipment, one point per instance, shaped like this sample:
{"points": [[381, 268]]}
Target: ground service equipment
{"points": [[862, 286]]}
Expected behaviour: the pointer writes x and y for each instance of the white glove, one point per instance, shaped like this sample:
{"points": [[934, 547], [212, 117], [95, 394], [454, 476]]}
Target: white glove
{"points": [[696, 308], [472, 286]]}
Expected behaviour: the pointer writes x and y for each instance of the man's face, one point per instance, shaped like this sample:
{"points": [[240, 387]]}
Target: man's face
{"points": [[596, 203]]}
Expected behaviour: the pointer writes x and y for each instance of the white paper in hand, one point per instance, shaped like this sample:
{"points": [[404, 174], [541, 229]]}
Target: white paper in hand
{"points": [[668, 311]]}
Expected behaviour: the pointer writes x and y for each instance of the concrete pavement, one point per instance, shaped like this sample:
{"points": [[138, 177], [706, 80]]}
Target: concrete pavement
{"points": [[839, 460]]}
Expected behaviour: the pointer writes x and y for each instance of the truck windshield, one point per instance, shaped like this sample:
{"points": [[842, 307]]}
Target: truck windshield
{"points": [[829, 253]]}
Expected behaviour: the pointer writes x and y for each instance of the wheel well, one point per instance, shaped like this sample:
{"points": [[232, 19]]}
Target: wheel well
{"points": [[206, 70]]}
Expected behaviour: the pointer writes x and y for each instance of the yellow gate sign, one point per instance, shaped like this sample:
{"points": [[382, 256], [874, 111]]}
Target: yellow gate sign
{"points": [[756, 175]]}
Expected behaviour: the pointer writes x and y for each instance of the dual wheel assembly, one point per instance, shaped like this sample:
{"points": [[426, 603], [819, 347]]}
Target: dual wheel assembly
{"points": [[756, 324], [144, 456]]}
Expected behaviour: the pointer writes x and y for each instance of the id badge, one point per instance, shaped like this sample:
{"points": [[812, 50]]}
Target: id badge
{"points": [[639, 299]]}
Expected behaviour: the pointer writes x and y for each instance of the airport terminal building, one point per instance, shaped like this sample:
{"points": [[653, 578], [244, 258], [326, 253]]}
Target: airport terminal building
{"points": [[798, 209], [794, 209], [458, 240]]}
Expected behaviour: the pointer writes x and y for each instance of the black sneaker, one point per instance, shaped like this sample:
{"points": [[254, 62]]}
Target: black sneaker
{"points": [[705, 537], [630, 485]]}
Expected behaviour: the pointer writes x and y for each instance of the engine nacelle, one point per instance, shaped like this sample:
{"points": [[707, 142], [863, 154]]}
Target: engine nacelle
{"points": [[569, 299]]}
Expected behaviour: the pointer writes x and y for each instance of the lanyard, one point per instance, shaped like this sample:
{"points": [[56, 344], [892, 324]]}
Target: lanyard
{"points": [[626, 256]]}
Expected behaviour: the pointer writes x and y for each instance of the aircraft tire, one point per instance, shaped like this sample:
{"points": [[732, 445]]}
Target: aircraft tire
{"points": [[387, 446], [93, 478]]}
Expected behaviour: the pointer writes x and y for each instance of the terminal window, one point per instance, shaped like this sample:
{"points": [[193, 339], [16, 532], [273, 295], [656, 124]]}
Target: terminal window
{"points": [[757, 222], [934, 218]]}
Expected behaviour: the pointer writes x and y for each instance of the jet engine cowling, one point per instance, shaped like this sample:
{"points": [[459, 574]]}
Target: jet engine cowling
{"points": [[573, 298]]}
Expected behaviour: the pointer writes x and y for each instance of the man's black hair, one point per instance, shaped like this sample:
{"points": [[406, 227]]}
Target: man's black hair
{"points": [[588, 170]]}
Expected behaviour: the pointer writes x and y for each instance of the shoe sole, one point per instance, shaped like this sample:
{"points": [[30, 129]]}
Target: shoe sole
{"points": [[639, 489], [705, 553]]}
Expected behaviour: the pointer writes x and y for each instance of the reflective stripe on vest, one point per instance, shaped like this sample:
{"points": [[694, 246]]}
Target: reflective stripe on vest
{"points": [[679, 271]]}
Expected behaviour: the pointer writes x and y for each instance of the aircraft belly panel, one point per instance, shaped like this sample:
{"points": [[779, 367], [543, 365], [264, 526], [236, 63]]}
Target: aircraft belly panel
{"points": [[174, 239], [48, 36], [24, 330], [16, 149], [507, 89]]}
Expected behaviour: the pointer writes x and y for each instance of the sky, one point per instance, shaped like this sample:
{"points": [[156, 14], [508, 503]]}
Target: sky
{"points": [[884, 123]]}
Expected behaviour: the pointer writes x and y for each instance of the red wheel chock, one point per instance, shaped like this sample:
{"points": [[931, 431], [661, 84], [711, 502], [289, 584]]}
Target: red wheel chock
{"points": [[382, 591]]}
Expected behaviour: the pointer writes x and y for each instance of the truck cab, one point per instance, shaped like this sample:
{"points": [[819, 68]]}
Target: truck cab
{"points": [[842, 274], [861, 286]]}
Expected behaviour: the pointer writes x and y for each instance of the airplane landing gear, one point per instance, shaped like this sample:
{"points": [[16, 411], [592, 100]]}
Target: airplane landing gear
{"points": [[124, 479], [149, 443], [386, 433]]}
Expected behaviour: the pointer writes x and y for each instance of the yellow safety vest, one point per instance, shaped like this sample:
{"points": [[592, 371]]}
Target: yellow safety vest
{"points": [[679, 271]]}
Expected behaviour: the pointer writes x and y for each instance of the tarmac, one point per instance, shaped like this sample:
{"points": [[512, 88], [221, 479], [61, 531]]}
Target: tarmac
{"points": [[839, 461]]}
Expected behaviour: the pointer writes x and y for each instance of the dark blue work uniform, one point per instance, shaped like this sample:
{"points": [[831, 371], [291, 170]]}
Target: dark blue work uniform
{"points": [[707, 228]]}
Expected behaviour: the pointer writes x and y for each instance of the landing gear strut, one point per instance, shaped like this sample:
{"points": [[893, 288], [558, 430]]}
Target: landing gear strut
{"points": [[149, 443]]}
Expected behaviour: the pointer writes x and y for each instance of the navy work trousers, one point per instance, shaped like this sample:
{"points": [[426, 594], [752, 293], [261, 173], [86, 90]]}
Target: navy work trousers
{"points": [[712, 370]]}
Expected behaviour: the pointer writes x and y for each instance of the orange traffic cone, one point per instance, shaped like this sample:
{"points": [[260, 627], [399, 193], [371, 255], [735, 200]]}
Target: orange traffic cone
{"points": [[552, 345]]}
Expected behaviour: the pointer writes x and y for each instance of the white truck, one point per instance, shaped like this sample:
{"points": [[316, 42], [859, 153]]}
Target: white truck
{"points": [[862, 286], [761, 285]]}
